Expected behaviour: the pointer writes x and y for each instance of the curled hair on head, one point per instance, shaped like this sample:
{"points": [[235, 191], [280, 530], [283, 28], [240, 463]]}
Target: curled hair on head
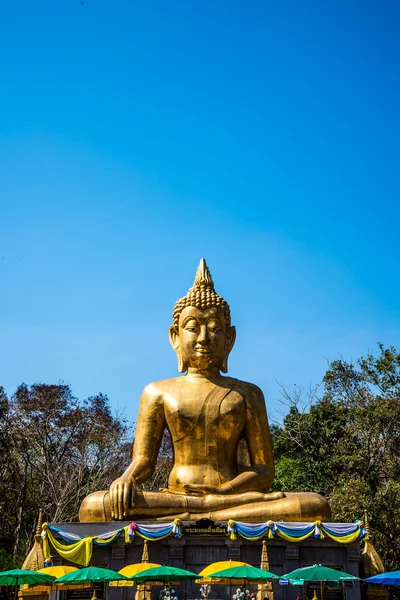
{"points": [[202, 295]]}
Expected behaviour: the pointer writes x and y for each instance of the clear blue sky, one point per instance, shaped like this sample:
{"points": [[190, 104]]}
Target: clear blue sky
{"points": [[136, 138]]}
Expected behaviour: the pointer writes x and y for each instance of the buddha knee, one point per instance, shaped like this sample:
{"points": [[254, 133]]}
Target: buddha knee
{"points": [[95, 508]]}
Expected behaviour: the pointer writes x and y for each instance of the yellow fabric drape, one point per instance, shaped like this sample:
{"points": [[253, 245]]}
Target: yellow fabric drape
{"points": [[79, 553], [126, 533], [291, 538], [343, 539], [106, 541]]}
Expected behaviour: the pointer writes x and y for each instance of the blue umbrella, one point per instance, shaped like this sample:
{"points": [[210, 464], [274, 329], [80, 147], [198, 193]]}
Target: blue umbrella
{"points": [[391, 578]]}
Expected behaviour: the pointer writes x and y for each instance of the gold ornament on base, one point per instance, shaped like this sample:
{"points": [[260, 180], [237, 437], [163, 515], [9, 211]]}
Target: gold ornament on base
{"points": [[371, 564], [265, 590], [35, 559], [143, 590]]}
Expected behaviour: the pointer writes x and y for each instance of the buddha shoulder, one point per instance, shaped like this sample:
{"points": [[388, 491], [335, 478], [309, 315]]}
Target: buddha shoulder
{"points": [[250, 392], [157, 389]]}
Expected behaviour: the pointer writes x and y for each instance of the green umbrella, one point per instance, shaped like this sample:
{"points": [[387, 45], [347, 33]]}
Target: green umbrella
{"points": [[17, 577], [91, 575], [24, 576], [165, 574], [244, 574], [318, 573]]}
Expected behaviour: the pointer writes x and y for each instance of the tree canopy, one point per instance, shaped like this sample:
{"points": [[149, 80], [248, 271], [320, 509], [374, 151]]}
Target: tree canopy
{"points": [[54, 451], [345, 445]]}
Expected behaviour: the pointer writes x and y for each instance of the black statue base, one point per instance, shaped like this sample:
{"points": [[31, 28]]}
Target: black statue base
{"points": [[194, 552]]}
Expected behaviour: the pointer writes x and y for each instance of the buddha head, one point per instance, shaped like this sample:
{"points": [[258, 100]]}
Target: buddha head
{"points": [[202, 335]]}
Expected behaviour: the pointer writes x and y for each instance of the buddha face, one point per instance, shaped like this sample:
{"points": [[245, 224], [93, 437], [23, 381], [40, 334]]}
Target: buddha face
{"points": [[202, 341]]}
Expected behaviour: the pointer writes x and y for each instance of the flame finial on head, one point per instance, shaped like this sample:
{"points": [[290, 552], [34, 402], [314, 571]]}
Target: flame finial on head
{"points": [[203, 275], [202, 295]]}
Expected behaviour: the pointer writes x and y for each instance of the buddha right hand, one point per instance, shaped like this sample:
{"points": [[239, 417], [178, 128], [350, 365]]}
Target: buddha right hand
{"points": [[122, 492]]}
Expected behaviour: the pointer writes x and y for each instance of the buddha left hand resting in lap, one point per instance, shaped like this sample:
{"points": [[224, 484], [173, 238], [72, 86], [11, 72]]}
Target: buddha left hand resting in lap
{"points": [[208, 415]]}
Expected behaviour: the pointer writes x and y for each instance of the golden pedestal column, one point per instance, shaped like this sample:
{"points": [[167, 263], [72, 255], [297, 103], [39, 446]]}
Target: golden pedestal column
{"points": [[143, 591], [265, 590]]}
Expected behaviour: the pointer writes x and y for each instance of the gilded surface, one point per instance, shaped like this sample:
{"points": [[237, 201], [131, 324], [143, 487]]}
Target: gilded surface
{"points": [[208, 415], [35, 559], [265, 590], [370, 563]]}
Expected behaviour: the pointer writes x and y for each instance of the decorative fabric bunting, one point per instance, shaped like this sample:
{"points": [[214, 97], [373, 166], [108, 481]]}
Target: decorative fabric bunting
{"points": [[79, 552], [344, 533], [78, 549]]}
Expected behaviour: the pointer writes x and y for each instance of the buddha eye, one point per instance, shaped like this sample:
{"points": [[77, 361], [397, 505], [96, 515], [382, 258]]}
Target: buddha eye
{"points": [[191, 326], [214, 326]]}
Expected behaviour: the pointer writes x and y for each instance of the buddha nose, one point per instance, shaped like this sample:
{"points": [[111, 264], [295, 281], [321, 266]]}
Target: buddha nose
{"points": [[203, 335]]}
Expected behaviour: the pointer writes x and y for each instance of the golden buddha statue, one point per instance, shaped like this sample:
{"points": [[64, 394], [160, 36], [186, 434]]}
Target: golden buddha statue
{"points": [[210, 418]]}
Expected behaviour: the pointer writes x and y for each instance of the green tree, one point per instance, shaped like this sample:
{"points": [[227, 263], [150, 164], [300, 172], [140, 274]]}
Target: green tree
{"points": [[345, 445], [57, 450]]}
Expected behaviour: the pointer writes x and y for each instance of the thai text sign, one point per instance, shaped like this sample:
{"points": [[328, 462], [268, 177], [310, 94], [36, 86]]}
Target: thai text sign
{"points": [[204, 527]]}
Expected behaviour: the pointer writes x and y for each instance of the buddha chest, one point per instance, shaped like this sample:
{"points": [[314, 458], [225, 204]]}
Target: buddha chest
{"points": [[211, 410]]}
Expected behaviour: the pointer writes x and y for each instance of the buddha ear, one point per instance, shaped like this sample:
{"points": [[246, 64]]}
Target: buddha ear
{"points": [[230, 340], [174, 339]]}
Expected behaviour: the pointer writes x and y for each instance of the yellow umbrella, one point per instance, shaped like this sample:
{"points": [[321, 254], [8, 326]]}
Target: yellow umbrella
{"points": [[131, 570], [58, 571], [219, 566]]}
